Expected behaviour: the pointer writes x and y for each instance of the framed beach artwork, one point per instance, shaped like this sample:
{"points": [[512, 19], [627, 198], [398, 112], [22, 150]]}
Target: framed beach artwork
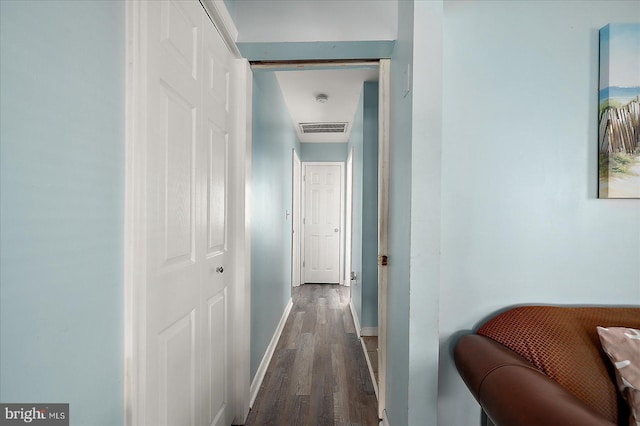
{"points": [[619, 112]]}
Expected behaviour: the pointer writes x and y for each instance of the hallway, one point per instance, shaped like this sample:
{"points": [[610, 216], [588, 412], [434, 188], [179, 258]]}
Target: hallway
{"points": [[318, 374]]}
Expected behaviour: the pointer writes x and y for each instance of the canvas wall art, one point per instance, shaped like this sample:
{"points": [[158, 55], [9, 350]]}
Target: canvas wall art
{"points": [[619, 112]]}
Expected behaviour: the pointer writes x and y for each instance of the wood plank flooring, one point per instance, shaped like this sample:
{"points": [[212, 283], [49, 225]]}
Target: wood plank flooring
{"points": [[371, 343], [318, 374]]}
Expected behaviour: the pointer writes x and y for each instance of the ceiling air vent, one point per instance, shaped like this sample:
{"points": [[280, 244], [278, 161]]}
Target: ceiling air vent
{"points": [[323, 127]]}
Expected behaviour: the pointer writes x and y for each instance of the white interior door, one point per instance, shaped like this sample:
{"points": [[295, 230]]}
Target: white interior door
{"points": [[322, 222], [295, 223], [186, 363], [215, 295]]}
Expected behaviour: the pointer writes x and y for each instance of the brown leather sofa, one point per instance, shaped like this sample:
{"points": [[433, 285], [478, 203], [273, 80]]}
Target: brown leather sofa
{"points": [[544, 366]]}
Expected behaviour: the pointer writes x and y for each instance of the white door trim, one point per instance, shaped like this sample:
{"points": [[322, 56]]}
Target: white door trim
{"points": [[304, 214], [135, 212], [240, 227], [384, 116], [223, 22]]}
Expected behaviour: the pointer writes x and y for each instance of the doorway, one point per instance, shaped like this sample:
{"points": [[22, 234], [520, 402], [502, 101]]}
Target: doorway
{"points": [[269, 76]]}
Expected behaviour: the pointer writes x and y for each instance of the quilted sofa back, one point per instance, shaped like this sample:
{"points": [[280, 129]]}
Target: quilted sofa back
{"points": [[563, 343]]}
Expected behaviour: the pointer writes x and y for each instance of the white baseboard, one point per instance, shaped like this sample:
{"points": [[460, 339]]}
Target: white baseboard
{"points": [[369, 331], [385, 420], [356, 322], [266, 359]]}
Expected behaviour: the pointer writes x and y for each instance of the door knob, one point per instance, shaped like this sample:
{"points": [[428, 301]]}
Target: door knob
{"points": [[335, 230], [219, 269]]}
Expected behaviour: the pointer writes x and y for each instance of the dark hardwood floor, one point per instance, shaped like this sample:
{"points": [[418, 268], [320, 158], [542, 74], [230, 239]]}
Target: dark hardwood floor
{"points": [[318, 374], [371, 343]]}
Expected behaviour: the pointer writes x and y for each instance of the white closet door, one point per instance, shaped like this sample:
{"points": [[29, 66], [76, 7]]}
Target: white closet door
{"points": [[186, 376], [215, 293]]}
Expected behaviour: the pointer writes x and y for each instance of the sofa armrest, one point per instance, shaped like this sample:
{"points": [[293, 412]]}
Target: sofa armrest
{"points": [[514, 393]]}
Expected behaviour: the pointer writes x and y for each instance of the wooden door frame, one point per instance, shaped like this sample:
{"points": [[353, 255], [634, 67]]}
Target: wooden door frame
{"points": [[135, 212], [384, 120], [304, 215]]}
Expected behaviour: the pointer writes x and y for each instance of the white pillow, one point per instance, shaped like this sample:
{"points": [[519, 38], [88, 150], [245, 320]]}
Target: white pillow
{"points": [[622, 345]]}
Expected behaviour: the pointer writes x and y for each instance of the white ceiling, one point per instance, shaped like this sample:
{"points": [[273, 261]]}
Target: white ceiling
{"points": [[342, 86]]}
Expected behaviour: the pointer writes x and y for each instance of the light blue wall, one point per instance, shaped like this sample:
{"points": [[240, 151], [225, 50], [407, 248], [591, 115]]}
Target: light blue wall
{"points": [[520, 218], [62, 68], [425, 213], [355, 146], [364, 143], [289, 51], [324, 151], [232, 8], [400, 223], [315, 29], [369, 316], [414, 216], [274, 138]]}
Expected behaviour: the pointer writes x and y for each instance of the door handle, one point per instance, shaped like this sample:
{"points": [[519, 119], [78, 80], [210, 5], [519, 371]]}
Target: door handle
{"points": [[335, 230], [220, 269]]}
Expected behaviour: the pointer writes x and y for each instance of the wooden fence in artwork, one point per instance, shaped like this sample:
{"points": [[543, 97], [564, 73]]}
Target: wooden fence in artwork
{"points": [[620, 128]]}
